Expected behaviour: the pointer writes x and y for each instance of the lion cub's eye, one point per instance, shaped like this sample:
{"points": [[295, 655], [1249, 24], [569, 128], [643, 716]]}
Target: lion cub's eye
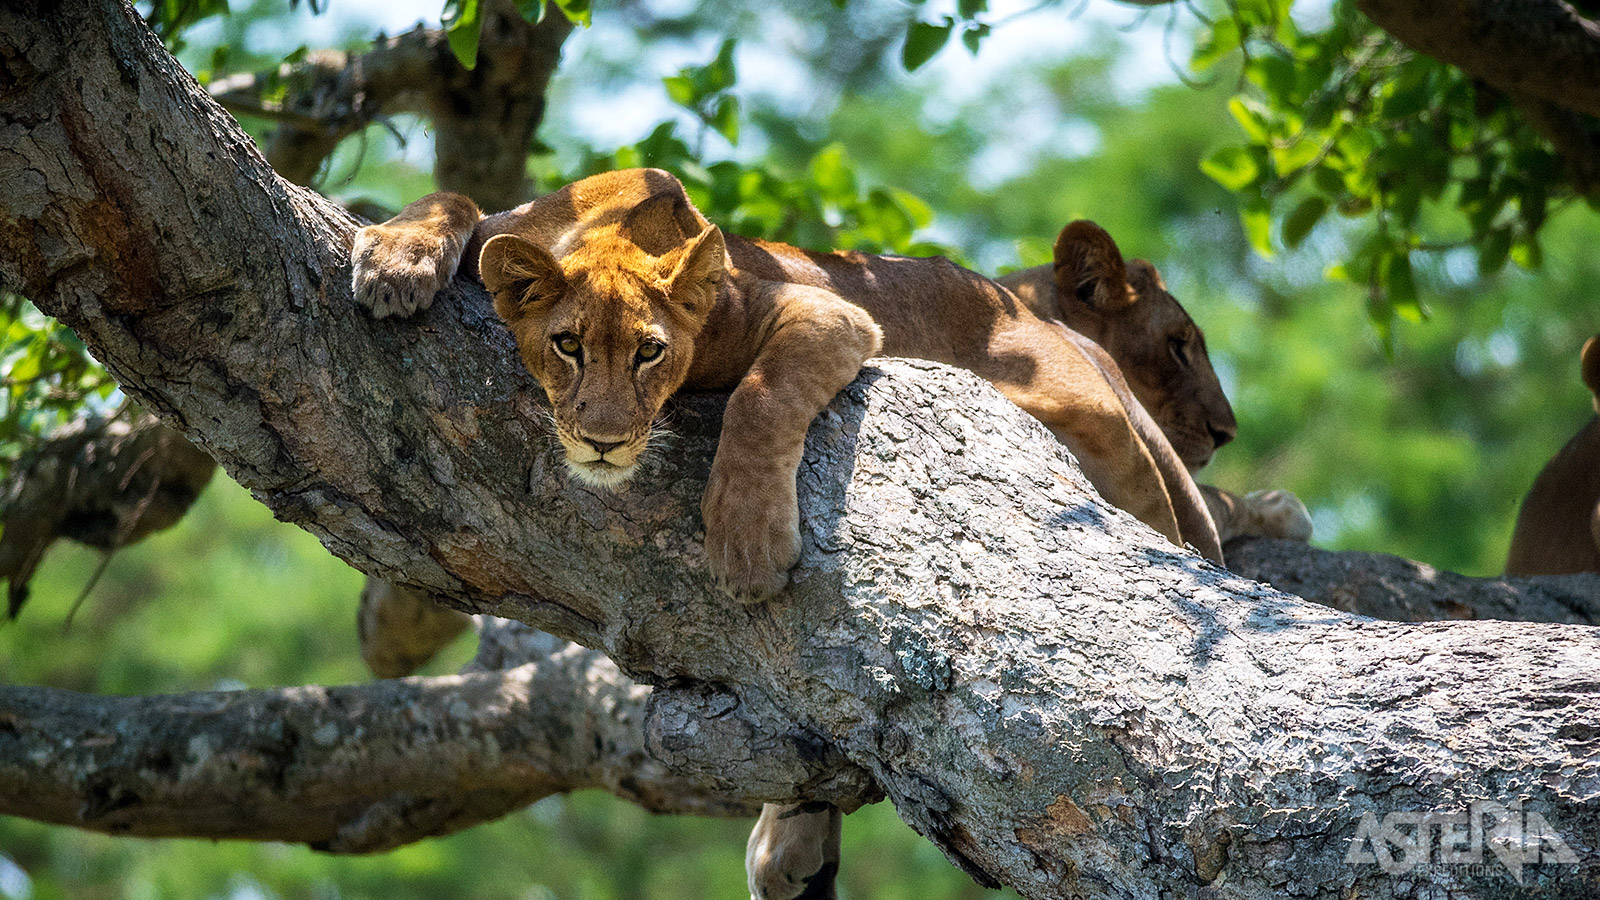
{"points": [[568, 345], [649, 350]]}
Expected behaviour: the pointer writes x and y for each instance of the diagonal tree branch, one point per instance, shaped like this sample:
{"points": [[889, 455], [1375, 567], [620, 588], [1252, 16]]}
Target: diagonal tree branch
{"points": [[1042, 687]]}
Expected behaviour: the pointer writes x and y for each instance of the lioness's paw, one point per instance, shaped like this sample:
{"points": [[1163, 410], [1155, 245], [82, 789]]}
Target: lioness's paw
{"points": [[752, 537], [397, 270], [1279, 514]]}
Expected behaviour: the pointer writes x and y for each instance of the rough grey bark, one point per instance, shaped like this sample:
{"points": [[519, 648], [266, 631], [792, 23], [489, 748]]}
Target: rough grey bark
{"points": [[1044, 688], [484, 118], [352, 769]]}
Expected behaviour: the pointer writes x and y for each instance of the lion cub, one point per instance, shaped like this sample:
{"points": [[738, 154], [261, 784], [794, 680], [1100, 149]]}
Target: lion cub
{"points": [[618, 294], [1558, 527]]}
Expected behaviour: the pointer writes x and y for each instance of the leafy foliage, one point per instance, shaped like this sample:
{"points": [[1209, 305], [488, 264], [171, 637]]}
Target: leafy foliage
{"points": [[822, 207], [1417, 157], [48, 378]]}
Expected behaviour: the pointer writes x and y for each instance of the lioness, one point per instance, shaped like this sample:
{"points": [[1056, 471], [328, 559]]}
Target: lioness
{"points": [[1558, 527], [619, 292], [1125, 309]]}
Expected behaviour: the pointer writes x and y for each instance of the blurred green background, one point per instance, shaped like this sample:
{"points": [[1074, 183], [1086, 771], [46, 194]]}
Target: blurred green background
{"points": [[1422, 449]]}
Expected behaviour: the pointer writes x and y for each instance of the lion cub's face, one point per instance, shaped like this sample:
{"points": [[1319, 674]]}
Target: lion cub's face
{"points": [[609, 331]]}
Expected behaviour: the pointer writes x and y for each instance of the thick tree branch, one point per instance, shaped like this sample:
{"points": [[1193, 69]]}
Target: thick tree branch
{"points": [[1045, 689], [106, 484]]}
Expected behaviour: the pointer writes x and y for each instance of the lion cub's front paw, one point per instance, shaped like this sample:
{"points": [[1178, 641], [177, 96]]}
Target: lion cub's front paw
{"points": [[397, 270], [1279, 514], [752, 536]]}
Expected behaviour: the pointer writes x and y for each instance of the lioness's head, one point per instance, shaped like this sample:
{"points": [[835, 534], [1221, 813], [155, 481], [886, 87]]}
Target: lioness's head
{"points": [[609, 331], [1125, 308]]}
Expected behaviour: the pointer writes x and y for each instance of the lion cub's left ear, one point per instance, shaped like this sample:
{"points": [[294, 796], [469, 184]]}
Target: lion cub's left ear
{"points": [[695, 271], [520, 274]]}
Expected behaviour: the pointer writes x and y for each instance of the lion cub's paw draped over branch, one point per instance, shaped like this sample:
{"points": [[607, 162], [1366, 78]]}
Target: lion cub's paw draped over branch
{"points": [[402, 263]]}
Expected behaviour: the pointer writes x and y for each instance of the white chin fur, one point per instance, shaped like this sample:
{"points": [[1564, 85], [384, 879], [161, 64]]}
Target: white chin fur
{"points": [[600, 474]]}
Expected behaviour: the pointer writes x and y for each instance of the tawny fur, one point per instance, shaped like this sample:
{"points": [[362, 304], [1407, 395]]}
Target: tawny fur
{"points": [[1558, 527], [1125, 309], [784, 330]]}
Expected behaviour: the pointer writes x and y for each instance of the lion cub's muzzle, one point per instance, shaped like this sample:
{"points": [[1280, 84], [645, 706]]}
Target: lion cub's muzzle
{"points": [[602, 461]]}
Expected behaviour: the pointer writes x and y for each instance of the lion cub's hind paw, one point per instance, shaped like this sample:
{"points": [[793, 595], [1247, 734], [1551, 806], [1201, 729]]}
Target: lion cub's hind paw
{"points": [[1279, 514], [397, 273]]}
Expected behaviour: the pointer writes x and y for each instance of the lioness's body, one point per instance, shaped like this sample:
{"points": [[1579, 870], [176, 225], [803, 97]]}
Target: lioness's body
{"points": [[925, 308], [1558, 526]]}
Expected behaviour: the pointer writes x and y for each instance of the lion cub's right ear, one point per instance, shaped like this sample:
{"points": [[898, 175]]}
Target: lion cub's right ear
{"points": [[693, 273], [1090, 273], [520, 274], [1591, 368]]}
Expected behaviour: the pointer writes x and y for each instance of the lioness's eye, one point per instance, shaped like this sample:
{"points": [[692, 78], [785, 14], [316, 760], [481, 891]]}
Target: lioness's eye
{"points": [[649, 350], [568, 344], [1180, 350]]}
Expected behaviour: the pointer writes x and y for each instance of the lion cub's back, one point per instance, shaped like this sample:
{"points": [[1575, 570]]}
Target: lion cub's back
{"points": [[928, 307]]}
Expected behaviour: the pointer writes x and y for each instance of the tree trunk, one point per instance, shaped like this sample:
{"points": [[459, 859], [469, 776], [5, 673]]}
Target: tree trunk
{"points": [[1044, 688]]}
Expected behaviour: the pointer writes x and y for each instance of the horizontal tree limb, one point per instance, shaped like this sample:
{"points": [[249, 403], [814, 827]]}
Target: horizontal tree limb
{"points": [[353, 769]]}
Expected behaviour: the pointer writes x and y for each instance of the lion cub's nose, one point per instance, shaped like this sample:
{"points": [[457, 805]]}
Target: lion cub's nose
{"points": [[602, 447]]}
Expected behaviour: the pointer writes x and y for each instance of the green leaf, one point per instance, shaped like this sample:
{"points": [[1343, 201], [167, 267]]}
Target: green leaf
{"points": [[1305, 216], [720, 74], [920, 212], [1232, 167], [923, 41], [969, 8], [973, 36], [726, 119], [1296, 156], [680, 90], [1493, 250], [1525, 252], [1217, 42], [1252, 117], [832, 175], [531, 10], [1401, 286], [1256, 216], [577, 12], [463, 24]]}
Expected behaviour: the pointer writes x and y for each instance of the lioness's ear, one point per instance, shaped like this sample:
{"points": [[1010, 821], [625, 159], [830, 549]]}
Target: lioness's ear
{"points": [[697, 272], [1090, 273], [1591, 368], [520, 274]]}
